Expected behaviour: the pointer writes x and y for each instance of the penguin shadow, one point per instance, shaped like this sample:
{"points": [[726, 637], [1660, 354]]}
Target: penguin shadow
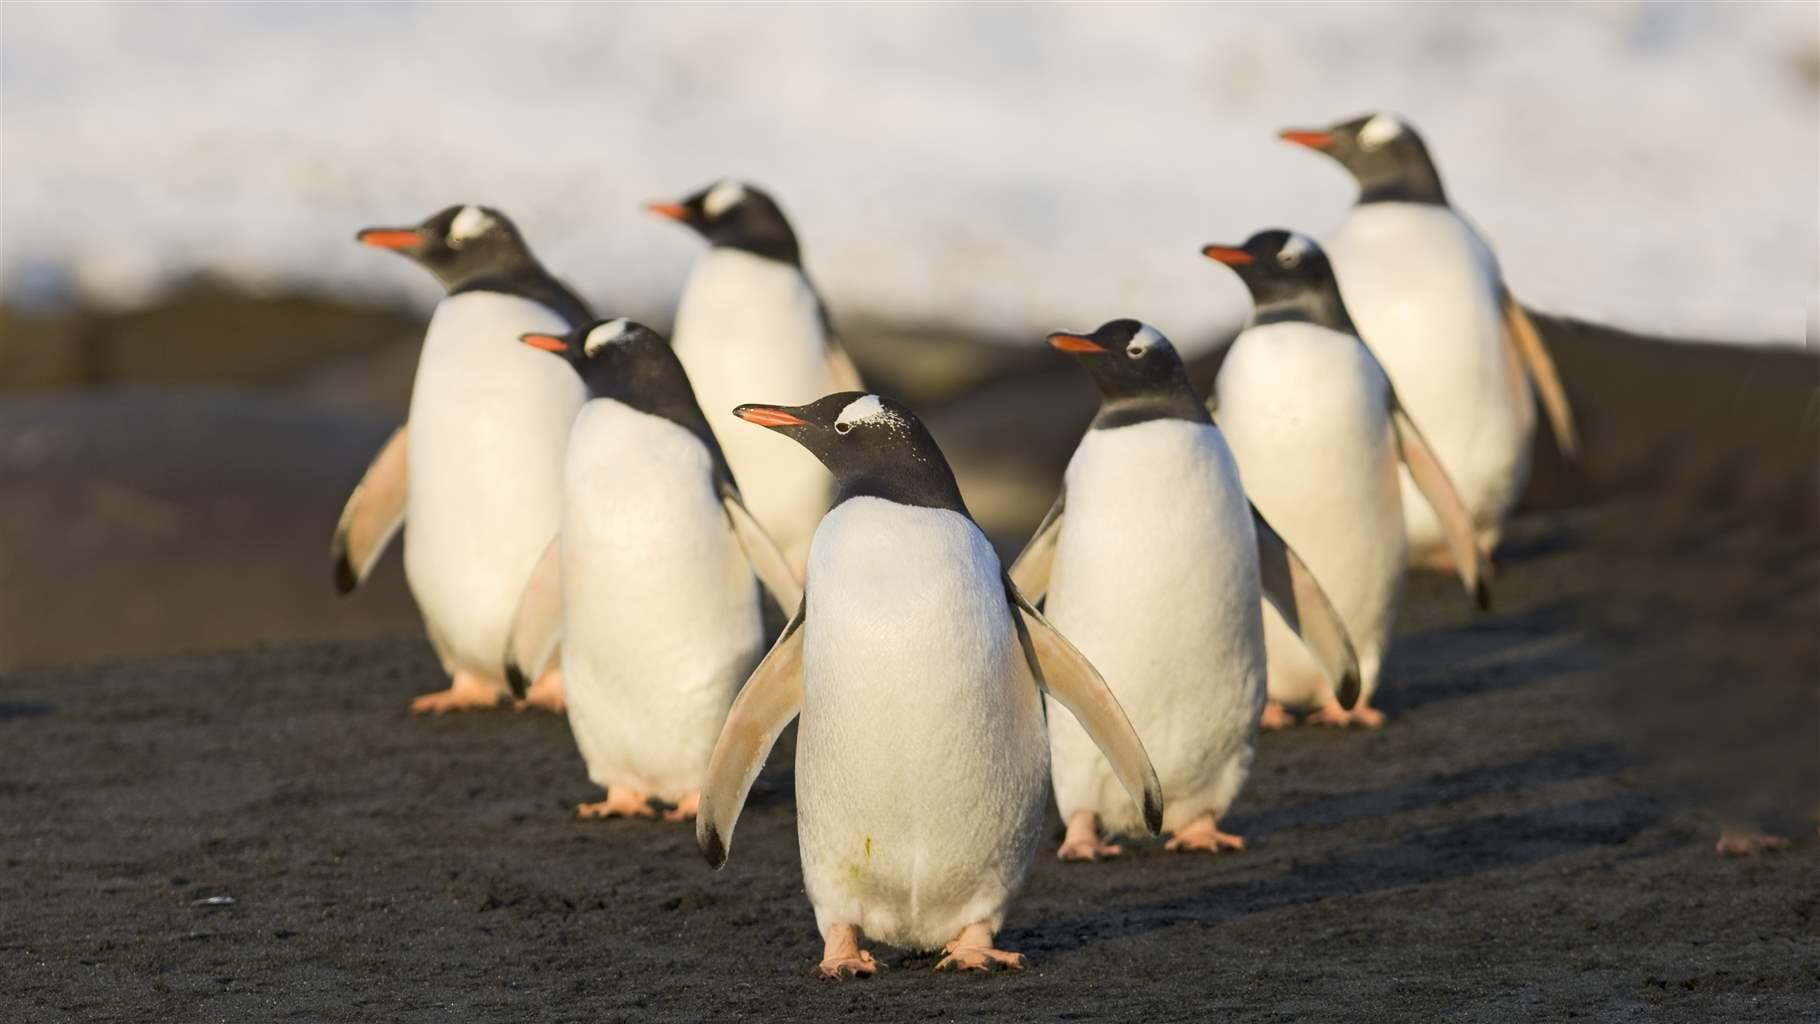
{"points": [[1540, 541], [1490, 654], [1423, 859], [12, 709]]}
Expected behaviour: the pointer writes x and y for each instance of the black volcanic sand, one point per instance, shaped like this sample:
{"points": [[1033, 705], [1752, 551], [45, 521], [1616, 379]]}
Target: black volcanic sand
{"points": [[1503, 850]]}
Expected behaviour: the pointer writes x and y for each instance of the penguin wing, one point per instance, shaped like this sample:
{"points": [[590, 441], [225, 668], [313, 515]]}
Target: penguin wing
{"points": [[1298, 597], [373, 515], [769, 700], [1064, 673], [1030, 572], [842, 374], [768, 562], [1520, 332], [1432, 480], [537, 625]]}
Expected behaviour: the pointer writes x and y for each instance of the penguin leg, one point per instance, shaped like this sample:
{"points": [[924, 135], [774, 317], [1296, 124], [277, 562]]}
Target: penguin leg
{"points": [[1746, 842], [972, 950], [1083, 840], [546, 692], [685, 808], [1331, 713], [1275, 716], [466, 692], [1201, 835], [841, 955], [620, 803]]}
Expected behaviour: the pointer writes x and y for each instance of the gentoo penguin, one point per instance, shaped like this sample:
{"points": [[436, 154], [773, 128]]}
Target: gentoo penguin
{"points": [[479, 482], [650, 580], [1318, 433], [1150, 559], [916, 664], [1426, 295], [750, 323]]}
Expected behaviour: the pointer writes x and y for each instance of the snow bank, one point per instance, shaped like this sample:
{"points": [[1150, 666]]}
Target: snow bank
{"points": [[1011, 170]]}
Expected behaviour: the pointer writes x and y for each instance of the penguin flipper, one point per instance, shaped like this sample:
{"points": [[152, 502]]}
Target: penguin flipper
{"points": [[842, 374], [1432, 480], [1298, 597], [768, 561], [537, 624], [1520, 332], [1064, 673], [1030, 572], [772, 696], [373, 515]]}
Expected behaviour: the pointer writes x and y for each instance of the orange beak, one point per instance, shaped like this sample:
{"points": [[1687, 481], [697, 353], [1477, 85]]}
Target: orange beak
{"points": [[1313, 140], [1075, 343], [1227, 254], [547, 342], [769, 416], [674, 211], [390, 238]]}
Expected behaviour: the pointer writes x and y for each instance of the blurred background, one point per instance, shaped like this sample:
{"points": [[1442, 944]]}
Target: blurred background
{"points": [[196, 361]]}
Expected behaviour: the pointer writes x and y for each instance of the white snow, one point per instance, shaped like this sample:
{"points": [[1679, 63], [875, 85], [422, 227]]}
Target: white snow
{"points": [[1653, 164]]}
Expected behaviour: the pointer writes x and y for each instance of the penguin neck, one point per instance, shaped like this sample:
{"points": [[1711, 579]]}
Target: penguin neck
{"points": [[1321, 307], [529, 280], [920, 481], [1412, 179], [1167, 403], [779, 246], [655, 390]]}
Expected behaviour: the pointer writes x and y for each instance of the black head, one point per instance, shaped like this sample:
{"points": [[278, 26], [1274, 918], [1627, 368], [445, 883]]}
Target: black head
{"points": [[1139, 374], [628, 362], [873, 445], [736, 215], [1289, 279], [1383, 153], [460, 245]]}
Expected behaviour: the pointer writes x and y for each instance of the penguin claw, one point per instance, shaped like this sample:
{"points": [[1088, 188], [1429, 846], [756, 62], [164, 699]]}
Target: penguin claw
{"points": [[980, 958], [838, 968]]}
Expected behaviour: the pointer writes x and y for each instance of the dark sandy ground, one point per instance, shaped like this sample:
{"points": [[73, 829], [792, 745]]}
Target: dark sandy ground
{"points": [[1498, 852], [1529, 839]]}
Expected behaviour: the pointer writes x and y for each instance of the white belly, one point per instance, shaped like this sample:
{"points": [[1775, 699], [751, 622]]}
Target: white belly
{"points": [[1422, 288], [1156, 581], [661, 616], [921, 754], [1305, 412], [489, 422], [748, 329]]}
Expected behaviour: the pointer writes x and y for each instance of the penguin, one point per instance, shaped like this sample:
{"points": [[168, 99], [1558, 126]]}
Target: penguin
{"points": [[918, 670], [476, 472], [1150, 559], [1319, 434], [652, 575], [1426, 294], [750, 322]]}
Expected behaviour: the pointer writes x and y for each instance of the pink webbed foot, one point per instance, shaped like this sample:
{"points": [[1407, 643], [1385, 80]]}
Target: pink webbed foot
{"points": [[466, 692], [620, 803], [841, 956], [972, 950], [546, 693], [685, 808], [1083, 839], [1747, 843], [1275, 717], [1201, 836]]}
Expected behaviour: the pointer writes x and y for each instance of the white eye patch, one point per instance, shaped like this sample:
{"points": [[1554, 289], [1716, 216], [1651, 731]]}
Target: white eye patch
{"points": [[1379, 130], [861, 410], [469, 224], [1143, 340], [1293, 250], [606, 334], [723, 197]]}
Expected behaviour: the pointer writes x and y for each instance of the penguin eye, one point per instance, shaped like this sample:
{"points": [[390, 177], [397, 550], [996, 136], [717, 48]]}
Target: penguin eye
{"points": [[1135, 351], [842, 428], [1288, 259]]}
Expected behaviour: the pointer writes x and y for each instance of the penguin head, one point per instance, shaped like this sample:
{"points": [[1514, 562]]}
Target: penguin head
{"points": [[1126, 358], [1288, 276], [735, 215], [459, 245], [874, 446], [1384, 154], [616, 357]]}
